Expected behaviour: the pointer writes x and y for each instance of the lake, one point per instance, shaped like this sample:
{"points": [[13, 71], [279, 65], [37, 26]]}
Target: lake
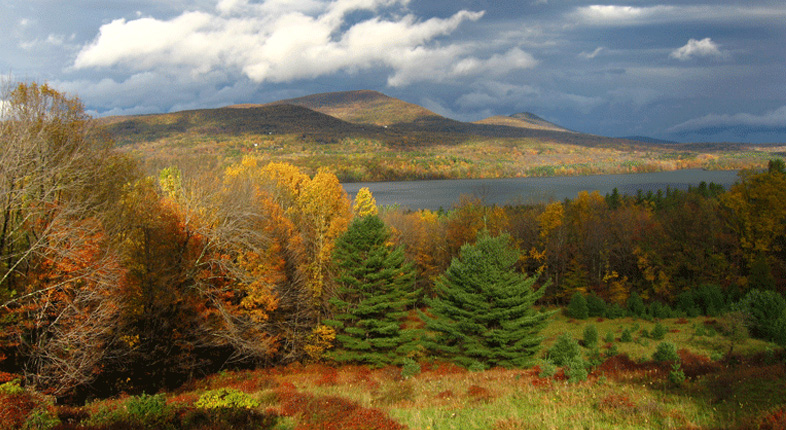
{"points": [[445, 193]]}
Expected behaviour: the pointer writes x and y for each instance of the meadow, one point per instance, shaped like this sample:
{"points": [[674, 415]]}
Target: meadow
{"points": [[624, 389]]}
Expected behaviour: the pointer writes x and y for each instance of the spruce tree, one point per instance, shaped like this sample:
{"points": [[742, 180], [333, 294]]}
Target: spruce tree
{"points": [[483, 313], [375, 286]]}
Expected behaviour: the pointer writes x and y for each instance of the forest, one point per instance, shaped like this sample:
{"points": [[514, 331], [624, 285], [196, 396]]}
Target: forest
{"points": [[114, 281]]}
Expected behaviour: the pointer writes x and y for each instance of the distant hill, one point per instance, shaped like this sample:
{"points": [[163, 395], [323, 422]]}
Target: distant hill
{"points": [[259, 120], [647, 139], [329, 117], [522, 120], [359, 107]]}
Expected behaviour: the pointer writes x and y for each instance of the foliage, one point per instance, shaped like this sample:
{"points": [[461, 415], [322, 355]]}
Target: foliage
{"points": [[576, 370], [666, 352], [596, 306], [763, 310], [676, 375], [659, 331], [410, 368], [484, 311], [577, 308], [375, 289], [226, 398], [635, 305], [564, 350], [590, 336]]}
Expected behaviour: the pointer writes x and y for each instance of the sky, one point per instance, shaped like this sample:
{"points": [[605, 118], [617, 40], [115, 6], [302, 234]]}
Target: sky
{"points": [[683, 70]]}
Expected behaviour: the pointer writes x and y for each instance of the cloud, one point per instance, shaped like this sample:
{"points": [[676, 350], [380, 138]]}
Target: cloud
{"points": [[620, 15], [771, 121], [616, 15], [285, 40], [697, 48], [492, 94], [591, 55]]}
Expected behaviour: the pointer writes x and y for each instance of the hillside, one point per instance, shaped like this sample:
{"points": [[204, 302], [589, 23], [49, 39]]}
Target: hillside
{"points": [[359, 107], [366, 135], [522, 120]]}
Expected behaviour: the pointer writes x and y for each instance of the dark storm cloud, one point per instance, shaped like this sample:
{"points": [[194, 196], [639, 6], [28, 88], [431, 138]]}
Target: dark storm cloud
{"points": [[680, 69]]}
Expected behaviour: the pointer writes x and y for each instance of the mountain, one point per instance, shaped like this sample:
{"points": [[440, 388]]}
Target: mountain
{"points": [[275, 119], [330, 117], [359, 107], [522, 120]]}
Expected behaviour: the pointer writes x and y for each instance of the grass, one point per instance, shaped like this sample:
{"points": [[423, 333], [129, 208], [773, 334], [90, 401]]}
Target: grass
{"points": [[627, 391]]}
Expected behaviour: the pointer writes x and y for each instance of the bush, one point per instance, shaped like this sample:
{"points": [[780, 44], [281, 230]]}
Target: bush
{"points": [[614, 311], [547, 369], [226, 398], [676, 375], [590, 336], [763, 309], [143, 412], [660, 310], [659, 331], [626, 335], [577, 308], [609, 338], [576, 370], [596, 307], [410, 368], [24, 409], [666, 352], [635, 305], [564, 349]]}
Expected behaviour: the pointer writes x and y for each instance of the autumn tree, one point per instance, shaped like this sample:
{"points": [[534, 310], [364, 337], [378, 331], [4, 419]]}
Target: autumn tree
{"points": [[757, 213], [59, 178], [375, 288], [306, 215], [484, 312]]}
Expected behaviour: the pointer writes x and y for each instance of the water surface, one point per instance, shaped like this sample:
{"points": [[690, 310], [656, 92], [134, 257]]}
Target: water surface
{"points": [[446, 193]]}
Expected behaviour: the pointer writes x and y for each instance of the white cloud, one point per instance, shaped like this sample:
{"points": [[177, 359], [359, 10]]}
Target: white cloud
{"points": [[697, 48], [774, 120], [620, 15], [591, 55], [285, 40]]}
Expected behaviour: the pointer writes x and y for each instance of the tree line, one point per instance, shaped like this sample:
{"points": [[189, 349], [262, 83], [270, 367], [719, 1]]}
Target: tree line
{"points": [[111, 280]]}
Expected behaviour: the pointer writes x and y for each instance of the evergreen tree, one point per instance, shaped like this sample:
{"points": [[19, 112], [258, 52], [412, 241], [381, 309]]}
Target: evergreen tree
{"points": [[483, 313], [577, 308], [375, 286]]}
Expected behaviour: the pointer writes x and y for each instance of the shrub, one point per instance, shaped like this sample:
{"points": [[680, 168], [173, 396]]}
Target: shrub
{"points": [[659, 331], [596, 307], [564, 349], [577, 308], [410, 368], [676, 375], [226, 398], [590, 336], [763, 309], [614, 311], [547, 369], [143, 412], [660, 310], [626, 335], [635, 305], [666, 352], [576, 370], [609, 337]]}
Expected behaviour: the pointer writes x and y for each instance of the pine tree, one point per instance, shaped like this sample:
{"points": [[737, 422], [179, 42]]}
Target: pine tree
{"points": [[375, 288], [484, 311]]}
